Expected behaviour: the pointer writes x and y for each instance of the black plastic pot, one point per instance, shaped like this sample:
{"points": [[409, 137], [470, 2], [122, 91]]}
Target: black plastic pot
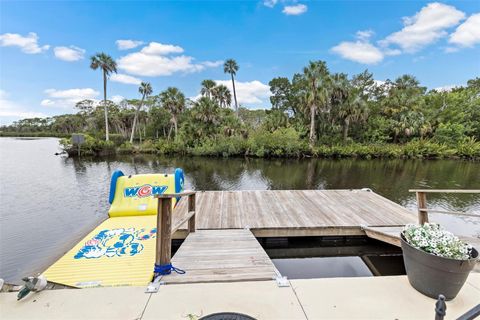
{"points": [[433, 275]]}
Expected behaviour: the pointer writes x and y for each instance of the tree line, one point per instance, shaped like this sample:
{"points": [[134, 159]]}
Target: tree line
{"points": [[313, 109]]}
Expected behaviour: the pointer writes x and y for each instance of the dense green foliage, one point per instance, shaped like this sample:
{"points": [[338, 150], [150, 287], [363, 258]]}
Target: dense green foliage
{"points": [[315, 113]]}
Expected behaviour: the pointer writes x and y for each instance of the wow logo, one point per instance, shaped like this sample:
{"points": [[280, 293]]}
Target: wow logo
{"points": [[144, 191]]}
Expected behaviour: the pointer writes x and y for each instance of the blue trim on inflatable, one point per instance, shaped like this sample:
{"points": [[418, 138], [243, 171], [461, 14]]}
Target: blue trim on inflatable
{"points": [[113, 184], [179, 180]]}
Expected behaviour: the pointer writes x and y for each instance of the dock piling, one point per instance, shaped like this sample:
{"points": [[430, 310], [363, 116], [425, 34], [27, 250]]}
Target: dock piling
{"points": [[163, 250], [422, 205], [191, 208], [164, 231]]}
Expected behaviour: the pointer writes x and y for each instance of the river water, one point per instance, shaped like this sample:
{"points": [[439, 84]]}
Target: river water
{"points": [[48, 202]]}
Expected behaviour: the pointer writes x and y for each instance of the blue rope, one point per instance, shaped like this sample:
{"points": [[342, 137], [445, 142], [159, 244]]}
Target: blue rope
{"points": [[165, 269]]}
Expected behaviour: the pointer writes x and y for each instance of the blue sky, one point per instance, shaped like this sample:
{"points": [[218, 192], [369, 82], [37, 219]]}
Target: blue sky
{"points": [[45, 46]]}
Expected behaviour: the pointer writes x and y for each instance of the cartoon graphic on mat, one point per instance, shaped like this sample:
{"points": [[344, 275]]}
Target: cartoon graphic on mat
{"points": [[115, 243]]}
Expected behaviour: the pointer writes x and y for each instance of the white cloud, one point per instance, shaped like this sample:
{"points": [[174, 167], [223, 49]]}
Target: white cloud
{"points": [[11, 111], [127, 44], [156, 48], [117, 99], [447, 88], [67, 98], [249, 92], [379, 83], [212, 64], [364, 34], [362, 50], [123, 78], [156, 60], [391, 52], [151, 65], [359, 51], [47, 103], [71, 53], [468, 33], [28, 44], [425, 27], [270, 3], [295, 10]]}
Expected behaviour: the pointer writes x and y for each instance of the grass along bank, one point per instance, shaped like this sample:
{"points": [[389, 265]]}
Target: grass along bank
{"points": [[281, 143]]}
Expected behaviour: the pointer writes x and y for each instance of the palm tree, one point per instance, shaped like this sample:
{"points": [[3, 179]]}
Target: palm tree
{"points": [[207, 88], [107, 65], [222, 95], [145, 90], [206, 111], [317, 92], [340, 89], [174, 101], [231, 67], [354, 109]]}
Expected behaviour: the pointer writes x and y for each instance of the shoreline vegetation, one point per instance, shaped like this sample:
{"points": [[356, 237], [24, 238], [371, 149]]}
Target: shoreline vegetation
{"points": [[283, 145], [315, 113]]}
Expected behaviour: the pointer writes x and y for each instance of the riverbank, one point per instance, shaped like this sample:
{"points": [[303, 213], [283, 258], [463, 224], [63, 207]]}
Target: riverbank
{"points": [[280, 144]]}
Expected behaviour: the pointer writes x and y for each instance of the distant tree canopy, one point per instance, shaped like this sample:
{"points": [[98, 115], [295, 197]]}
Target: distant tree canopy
{"points": [[316, 105]]}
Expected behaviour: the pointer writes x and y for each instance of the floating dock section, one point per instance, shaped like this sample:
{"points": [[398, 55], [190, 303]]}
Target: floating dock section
{"points": [[221, 256]]}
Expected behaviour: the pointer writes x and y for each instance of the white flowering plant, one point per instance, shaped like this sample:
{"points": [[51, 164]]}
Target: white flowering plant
{"points": [[432, 238]]}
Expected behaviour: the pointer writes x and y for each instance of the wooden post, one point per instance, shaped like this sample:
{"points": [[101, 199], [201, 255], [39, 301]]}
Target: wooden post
{"points": [[422, 204], [164, 231], [191, 207]]}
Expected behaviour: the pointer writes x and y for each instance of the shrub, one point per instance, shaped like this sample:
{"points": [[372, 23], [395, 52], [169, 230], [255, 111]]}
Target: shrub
{"points": [[469, 148], [281, 142], [91, 147], [450, 133], [426, 149]]}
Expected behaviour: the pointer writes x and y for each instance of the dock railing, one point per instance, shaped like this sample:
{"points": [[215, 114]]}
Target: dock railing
{"points": [[422, 203], [166, 225]]}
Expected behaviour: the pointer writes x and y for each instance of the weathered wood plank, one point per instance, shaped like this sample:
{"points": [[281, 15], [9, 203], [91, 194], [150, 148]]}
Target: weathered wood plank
{"points": [[294, 212], [386, 234]]}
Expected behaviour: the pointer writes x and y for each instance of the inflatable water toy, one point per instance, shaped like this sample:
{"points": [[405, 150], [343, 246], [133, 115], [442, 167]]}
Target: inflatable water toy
{"points": [[121, 250]]}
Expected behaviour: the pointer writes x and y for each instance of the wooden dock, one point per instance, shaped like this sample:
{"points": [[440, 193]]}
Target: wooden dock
{"points": [[280, 213], [221, 227], [221, 256]]}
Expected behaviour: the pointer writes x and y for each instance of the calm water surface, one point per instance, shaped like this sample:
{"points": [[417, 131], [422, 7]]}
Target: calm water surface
{"points": [[48, 203]]}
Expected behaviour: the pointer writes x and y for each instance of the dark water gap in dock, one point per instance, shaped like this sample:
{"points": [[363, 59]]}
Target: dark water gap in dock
{"points": [[328, 257]]}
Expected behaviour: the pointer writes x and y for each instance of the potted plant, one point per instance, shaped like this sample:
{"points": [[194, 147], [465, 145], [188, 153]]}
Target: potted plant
{"points": [[436, 261]]}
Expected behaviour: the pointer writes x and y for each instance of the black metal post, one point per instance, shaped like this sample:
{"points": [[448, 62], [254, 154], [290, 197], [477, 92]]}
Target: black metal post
{"points": [[440, 308]]}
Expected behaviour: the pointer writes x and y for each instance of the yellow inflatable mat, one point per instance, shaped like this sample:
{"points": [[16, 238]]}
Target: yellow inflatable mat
{"points": [[119, 252]]}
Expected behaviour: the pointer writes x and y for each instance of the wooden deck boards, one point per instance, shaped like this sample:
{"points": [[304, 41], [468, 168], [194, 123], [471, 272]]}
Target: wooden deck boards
{"points": [[295, 212], [220, 256]]}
